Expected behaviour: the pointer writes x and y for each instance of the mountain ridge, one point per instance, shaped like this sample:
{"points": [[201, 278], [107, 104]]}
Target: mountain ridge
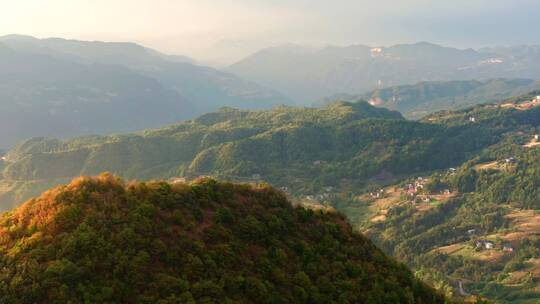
{"points": [[63, 78], [100, 240], [356, 69]]}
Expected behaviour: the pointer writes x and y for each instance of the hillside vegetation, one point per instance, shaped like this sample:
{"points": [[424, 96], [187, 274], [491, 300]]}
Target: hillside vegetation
{"points": [[476, 224], [357, 159], [301, 148], [98, 240]]}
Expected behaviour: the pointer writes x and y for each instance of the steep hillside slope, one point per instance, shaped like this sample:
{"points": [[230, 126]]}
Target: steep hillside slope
{"points": [[481, 233], [308, 75], [98, 240], [472, 229]]}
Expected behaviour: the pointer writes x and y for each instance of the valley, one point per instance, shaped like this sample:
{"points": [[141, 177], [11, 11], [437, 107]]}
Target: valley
{"points": [[272, 152], [415, 187]]}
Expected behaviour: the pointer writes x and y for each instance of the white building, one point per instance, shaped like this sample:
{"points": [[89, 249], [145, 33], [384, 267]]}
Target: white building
{"points": [[177, 180]]}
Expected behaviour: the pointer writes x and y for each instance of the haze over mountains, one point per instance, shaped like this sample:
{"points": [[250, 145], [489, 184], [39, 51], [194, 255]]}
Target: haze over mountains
{"points": [[60, 88], [311, 74], [64, 88], [418, 100], [477, 167], [270, 151]]}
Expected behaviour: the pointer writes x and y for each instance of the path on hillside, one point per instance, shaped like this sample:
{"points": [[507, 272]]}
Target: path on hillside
{"points": [[462, 291]]}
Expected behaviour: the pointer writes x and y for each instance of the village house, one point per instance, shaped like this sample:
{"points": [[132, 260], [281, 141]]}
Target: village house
{"points": [[284, 189], [536, 137], [510, 160], [323, 196], [471, 231], [426, 199], [177, 180], [377, 194], [472, 119], [508, 248], [486, 244], [3, 158]]}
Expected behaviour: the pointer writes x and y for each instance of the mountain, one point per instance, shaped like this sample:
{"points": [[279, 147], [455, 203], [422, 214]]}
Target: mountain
{"points": [[416, 101], [338, 157], [304, 149], [311, 74], [226, 143], [471, 229], [100, 240], [482, 233], [45, 96], [66, 88]]}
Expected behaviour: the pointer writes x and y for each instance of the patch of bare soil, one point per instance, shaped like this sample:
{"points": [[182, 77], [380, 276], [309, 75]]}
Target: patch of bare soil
{"points": [[525, 222]]}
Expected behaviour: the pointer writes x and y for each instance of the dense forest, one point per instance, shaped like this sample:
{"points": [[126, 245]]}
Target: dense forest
{"points": [[285, 146], [100, 240], [349, 156]]}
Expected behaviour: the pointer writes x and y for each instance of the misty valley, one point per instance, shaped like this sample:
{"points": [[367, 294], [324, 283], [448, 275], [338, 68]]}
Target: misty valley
{"points": [[295, 173]]}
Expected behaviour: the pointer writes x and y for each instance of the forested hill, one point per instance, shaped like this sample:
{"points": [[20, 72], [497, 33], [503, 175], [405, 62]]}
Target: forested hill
{"points": [[303, 149], [477, 225], [471, 229], [98, 240]]}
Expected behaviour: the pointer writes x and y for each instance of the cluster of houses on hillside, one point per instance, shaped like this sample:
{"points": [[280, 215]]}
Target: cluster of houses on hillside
{"points": [[480, 244], [483, 244], [510, 160], [328, 194], [377, 194], [415, 188], [489, 245]]}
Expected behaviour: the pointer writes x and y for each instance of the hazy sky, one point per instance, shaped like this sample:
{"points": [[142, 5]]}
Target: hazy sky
{"points": [[206, 28]]}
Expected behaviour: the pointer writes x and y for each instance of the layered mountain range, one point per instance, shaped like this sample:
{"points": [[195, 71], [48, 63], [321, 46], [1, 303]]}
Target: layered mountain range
{"points": [[65, 88], [311, 74]]}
